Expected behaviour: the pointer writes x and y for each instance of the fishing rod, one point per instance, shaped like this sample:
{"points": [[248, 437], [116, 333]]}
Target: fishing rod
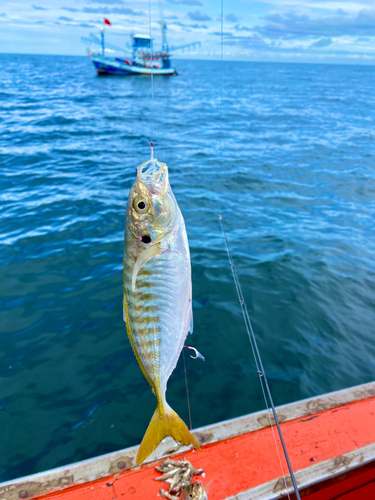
{"points": [[258, 360]]}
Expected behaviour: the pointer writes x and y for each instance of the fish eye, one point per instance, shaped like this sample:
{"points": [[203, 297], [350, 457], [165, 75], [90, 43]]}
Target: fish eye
{"points": [[140, 205]]}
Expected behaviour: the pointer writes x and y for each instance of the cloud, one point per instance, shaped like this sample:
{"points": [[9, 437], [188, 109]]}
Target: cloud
{"points": [[194, 26], [126, 11], [198, 3], [198, 26], [341, 12], [293, 25], [113, 10], [38, 8], [97, 10], [177, 23], [68, 21], [323, 42], [225, 33], [231, 18], [70, 9], [251, 42], [199, 16], [242, 28], [108, 2]]}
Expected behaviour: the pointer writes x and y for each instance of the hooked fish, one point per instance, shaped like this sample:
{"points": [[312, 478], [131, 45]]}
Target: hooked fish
{"points": [[157, 293], [194, 491]]}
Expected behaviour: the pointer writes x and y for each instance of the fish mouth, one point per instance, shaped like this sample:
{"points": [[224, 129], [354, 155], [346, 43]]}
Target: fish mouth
{"points": [[153, 173]]}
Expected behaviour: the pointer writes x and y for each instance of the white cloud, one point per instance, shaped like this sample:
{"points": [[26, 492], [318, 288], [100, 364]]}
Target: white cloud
{"points": [[304, 29], [199, 16]]}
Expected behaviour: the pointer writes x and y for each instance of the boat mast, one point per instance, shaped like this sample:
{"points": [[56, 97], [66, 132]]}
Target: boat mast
{"points": [[103, 52], [164, 43], [164, 36]]}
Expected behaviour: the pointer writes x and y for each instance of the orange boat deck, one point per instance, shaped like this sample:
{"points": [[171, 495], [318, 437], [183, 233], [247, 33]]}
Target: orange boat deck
{"points": [[330, 440]]}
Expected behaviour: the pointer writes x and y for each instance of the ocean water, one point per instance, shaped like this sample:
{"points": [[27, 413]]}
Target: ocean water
{"points": [[293, 178]]}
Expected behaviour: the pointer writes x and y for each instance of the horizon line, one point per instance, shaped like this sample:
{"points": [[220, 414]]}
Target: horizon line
{"points": [[325, 62]]}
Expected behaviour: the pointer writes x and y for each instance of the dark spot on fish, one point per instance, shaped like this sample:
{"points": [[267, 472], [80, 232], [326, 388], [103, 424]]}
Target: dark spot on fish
{"points": [[146, 238]]}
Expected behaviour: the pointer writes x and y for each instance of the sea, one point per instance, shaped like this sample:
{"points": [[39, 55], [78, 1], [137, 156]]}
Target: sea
{"points": [[285, 153]]}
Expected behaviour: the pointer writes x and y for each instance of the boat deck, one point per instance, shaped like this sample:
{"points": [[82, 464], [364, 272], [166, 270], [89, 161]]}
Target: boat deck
{"points": [[330, 440]]}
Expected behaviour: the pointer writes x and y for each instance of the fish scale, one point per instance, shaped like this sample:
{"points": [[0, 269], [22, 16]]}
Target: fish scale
{"points": [[157, 293]]}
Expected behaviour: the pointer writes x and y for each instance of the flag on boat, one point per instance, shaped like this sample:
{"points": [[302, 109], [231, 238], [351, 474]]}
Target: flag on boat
{"points": [[107, 21]]}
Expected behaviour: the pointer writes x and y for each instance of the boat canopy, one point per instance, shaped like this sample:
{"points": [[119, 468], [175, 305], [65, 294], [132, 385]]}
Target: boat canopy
{"points": [[141, 41]]}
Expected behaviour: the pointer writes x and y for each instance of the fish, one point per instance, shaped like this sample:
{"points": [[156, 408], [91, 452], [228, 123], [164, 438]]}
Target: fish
{"points": [[157, 287], [178, 474], [194, 491]]}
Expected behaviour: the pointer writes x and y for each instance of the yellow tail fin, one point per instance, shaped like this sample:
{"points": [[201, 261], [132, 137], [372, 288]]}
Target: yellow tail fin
{"points": [[164, 424]]}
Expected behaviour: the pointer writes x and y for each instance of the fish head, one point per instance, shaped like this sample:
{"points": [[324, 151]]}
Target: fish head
{"points": [[152, 208], [195, 491]]}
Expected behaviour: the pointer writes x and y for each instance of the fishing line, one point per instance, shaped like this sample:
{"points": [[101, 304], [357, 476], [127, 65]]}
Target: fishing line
{"points": [[221, 76], [152, 76], [187, 389], [238, 289], [259, 372], [259, 365]]}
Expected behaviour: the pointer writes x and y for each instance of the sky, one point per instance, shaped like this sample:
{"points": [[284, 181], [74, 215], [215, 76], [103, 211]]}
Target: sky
{"points": [[291, 30]]}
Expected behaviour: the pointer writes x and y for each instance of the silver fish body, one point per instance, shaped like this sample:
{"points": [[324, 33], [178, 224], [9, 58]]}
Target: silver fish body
{"points": [[157, 292]]}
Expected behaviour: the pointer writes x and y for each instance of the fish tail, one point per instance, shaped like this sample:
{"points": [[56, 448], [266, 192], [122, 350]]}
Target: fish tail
{"points": [[165, 422]]}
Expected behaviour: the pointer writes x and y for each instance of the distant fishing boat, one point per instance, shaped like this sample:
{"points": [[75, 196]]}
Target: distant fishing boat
{"points": [[331, 440], [143, 59]]}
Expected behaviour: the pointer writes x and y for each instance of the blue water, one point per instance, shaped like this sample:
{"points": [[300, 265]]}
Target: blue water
{"points": [[295, 183]]}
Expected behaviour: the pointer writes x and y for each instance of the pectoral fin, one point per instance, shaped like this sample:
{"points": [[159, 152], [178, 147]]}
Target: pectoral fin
{"points": [[145, 256]]}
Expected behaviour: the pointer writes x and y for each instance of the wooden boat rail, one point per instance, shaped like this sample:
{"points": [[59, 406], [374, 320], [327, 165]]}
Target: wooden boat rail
{"points": [[330, 439]]}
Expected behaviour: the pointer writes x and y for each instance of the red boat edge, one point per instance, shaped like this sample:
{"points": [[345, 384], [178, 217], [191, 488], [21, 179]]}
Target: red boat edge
{"points": [[330, 440]]}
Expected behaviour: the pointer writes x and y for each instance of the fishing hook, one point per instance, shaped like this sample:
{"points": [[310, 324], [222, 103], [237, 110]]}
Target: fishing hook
{"points": [[197, 353]]}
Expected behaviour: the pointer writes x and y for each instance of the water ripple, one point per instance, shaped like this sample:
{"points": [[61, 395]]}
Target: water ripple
{"points": [[294, 180]]}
